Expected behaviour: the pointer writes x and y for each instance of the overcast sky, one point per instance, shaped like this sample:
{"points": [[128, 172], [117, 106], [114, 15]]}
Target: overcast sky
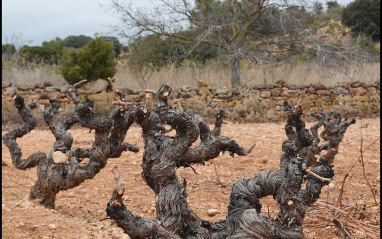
{"points": [[43, 20]]}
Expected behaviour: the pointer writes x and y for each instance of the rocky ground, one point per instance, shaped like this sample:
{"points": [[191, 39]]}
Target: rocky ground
{"points": [[79, 211]]}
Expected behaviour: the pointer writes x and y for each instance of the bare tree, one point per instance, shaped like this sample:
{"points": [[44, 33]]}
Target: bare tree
{"points": [[224, 24], [175, 218], [16, 39], [12, 43]]}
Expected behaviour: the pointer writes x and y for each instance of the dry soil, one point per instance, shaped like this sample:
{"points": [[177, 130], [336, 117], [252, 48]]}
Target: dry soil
{"points": [[79, 211]]}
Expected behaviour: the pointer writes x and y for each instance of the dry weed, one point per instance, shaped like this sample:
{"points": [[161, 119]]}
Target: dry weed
{"points": [[214, 75]]}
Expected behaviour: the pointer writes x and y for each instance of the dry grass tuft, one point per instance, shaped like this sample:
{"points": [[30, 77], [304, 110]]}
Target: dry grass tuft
{"points": [[213, 74], [9, 112], [22, 71], [217, 77]]}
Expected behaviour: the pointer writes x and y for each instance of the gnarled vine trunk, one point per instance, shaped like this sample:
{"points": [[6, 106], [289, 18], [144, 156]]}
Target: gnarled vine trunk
{"points": [[54, 177], [303, 160], [162, 153]]}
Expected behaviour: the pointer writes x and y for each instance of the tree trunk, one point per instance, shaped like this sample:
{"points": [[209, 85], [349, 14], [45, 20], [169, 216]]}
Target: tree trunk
{"points": [[235, 72]]}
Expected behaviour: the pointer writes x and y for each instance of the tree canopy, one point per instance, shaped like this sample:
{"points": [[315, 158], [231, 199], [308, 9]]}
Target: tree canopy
{"points": [[363, 17], [116, 44], [50, 51], [332, 4], [157, 51], [242, 29], [77, 41]]}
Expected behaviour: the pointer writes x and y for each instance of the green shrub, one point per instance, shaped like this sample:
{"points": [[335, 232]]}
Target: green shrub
{"points": [[94, 61], [151, 50], [158, 51], [332, 4], [50, 52], [8, 49], [363, 17]]}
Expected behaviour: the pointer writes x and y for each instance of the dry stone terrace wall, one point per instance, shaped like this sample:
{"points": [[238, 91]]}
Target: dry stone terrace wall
{"points": [[259, 104]]}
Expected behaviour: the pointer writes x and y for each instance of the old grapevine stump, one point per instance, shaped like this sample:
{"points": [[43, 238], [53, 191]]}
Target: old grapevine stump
{"points": [[55, 174], [162, 153]]}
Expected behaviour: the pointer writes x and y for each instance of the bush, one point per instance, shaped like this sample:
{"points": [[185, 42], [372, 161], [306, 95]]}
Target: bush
{"points": [[77, 41], [332, 4], [7, 51], [94, 61], [157, 51], [50, 51], [70, 69], [81, 40], [151, 50], [363, 16]]}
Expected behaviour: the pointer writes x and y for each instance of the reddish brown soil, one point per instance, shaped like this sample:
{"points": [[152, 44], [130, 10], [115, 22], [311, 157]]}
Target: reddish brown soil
{"points": [[79, 210]]}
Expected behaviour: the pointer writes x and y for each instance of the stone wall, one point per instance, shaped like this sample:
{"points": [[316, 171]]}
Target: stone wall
{"points": [[259, 104]]}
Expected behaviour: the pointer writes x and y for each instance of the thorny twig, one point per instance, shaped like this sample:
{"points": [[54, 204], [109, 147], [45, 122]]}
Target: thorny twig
{"points": [[364, 171], [339, 201], [344, 218], [216, 173]]}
